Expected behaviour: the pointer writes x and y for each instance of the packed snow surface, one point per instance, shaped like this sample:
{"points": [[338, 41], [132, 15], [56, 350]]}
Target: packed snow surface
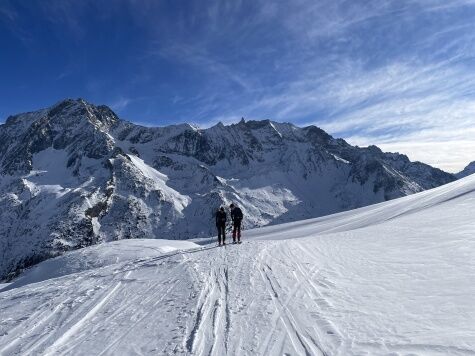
{"points": [[396, 278]]}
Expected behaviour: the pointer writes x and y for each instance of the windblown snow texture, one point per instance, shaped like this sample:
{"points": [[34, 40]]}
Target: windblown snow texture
{"points": [[75, 174], [395, 278]]}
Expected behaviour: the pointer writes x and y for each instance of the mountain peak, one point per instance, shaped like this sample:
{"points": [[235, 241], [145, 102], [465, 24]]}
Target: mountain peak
{"points": [[59, 107], [317, 135], [71, 101], [79, 108], [68, 106], [70, 109], [470, 169]]}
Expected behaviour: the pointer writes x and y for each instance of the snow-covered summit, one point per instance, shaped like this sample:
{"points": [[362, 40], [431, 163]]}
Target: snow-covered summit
{"points": [[75, 174], [71, 125]]}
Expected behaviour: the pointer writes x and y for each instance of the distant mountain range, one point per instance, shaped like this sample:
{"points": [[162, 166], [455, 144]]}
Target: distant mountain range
{"points": [[75, 174]]}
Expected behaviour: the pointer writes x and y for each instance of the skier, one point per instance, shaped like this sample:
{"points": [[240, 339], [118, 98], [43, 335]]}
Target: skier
{"points": [[221, 225], [236, 217]]}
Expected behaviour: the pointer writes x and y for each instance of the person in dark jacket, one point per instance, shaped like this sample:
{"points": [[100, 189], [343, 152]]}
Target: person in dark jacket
{"points": [[221, 225], [236, 217]]}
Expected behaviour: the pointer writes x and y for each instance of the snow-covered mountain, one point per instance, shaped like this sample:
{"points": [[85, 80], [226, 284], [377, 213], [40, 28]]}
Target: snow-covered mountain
{"points": [[470, 169], [395, 278], [75, 174]]}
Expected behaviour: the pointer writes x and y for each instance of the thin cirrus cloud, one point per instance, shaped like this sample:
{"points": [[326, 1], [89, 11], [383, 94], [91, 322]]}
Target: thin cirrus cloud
{"points": [[418, 100], [396, 73], [427, 112]]}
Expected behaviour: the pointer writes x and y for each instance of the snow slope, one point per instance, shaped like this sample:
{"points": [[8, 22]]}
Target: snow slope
{"points": [[397, 278]]}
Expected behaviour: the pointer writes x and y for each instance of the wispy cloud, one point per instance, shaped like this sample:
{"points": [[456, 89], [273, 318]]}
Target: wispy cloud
{"points": [[9, 18], [120, 104], [415, 94], [7, 13], [200, 60], [397, 73]]}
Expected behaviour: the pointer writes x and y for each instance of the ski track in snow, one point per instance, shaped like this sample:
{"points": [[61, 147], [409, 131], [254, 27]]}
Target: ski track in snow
{"points": [[402, 286]]}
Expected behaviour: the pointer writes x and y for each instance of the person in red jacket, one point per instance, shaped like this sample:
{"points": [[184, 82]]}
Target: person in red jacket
{"points": [[236, 217]]}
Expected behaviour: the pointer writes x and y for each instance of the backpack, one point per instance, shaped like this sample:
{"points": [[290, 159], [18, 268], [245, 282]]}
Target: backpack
{"points": [[237, 214], [220, 217]]}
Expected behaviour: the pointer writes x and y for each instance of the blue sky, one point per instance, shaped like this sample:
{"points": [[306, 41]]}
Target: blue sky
{"points": [[399, 74]]}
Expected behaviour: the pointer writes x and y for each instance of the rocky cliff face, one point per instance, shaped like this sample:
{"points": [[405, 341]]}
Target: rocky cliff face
{"points": [[75, 174]]}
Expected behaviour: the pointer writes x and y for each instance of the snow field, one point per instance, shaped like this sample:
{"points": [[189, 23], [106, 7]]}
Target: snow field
{"points": [[397, 278]]}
